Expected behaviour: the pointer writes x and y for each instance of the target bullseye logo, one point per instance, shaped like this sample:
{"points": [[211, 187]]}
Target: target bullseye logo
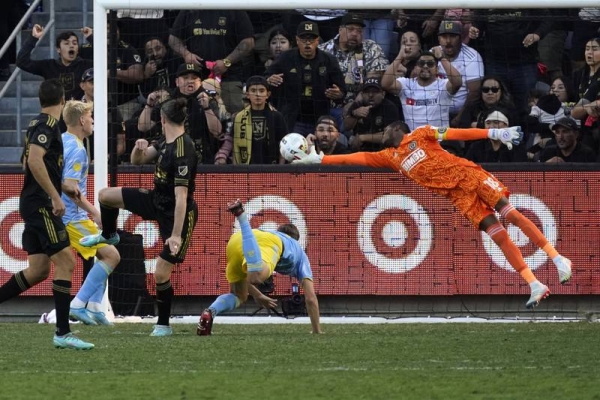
{"points": [[395, 233]]}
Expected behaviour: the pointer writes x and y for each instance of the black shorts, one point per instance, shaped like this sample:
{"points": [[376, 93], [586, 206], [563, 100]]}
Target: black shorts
{"points": [[44, 233], [139, 202]]}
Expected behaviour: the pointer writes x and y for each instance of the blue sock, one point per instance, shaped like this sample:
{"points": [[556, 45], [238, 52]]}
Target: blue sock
{"points": [[95, 282], [223, 303], [250, 245]]}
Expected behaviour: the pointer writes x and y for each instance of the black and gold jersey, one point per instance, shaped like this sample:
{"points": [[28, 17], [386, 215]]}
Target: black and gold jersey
{"points": [[176, 166], [43, 131]]}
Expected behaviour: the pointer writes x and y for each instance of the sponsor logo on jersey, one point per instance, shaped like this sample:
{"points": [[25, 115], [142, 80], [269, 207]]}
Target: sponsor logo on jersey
{"points": [[42, 139], [413, 159]]}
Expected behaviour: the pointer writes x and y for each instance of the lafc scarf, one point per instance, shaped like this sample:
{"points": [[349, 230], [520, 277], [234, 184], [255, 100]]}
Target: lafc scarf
{"points": [[242, 134]]}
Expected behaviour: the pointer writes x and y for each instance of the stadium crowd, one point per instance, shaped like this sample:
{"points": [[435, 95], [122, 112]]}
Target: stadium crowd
{"points": [[339, 77]]}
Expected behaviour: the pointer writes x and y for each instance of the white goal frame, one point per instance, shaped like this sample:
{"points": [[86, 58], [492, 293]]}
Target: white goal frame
{"points": [[101, 48]]}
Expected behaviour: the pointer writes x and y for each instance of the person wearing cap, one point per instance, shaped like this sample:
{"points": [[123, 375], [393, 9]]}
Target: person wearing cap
{"points": [[202, 124], [426, 98], [359, 59], [368, 115], [567, 147], [465, 60], [305, 81], [68, 68], [326, 135], [222, 37], [492, 151], [87, 85], [256, 130]]}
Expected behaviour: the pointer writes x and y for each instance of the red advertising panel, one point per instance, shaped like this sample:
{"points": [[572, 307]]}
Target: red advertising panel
{"points": [[366, 233]]}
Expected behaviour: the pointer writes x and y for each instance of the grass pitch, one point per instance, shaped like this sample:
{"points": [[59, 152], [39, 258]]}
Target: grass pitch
{"points": [[392, 361]]}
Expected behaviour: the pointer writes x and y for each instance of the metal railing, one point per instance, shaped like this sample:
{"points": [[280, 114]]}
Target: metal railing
{"points": [[16, 75]]}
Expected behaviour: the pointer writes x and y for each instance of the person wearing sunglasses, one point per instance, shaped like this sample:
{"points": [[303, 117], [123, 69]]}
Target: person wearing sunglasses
{"points": [[492, 94], [426, 98]]}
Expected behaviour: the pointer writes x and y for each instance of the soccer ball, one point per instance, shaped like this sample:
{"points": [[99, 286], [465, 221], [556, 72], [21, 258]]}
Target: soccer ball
{"points": [[291, 145]]}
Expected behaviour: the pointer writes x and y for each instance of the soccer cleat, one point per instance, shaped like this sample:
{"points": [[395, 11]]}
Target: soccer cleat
{"points": [[205, 323], [99, 317], [235, 207], [82, 314], [70, 341], [93, 240], [538, 292], [563, 266], [162, 330]]}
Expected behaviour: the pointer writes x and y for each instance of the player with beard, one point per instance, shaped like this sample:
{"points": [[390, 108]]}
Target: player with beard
{"points": [[170, 202], [476, 193], [69, 67], [326, 136], [367, 116]]}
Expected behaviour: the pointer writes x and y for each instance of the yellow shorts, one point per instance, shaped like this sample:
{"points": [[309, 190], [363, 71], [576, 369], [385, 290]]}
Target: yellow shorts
{"points": [[79, 229], [270, 246]]}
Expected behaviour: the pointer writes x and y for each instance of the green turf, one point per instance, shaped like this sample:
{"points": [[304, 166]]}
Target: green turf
{"points": [[396, 361]]}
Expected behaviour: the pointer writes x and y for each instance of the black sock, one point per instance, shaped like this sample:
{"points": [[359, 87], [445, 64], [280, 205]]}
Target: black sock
{"points": [[16, 285], [62, 300], [164, 296], [109, 220]]}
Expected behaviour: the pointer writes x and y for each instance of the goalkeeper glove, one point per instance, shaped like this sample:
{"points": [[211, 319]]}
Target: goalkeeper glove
{"points": [[312, 157], [508, 136]]}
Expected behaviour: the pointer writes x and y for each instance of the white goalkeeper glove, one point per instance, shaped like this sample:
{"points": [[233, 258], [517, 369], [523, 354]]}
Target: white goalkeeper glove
{"points": [[312, 157], [508, 136]]}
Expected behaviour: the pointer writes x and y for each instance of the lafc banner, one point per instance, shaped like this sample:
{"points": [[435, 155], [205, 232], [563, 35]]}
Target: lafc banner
{"points": [[365, 233]]}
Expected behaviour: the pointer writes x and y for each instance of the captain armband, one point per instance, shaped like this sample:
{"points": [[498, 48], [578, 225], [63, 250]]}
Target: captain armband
{"points": [[440, 133]]}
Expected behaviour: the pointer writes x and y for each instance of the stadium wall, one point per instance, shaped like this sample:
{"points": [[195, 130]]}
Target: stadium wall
{"points": [[367, 233]]}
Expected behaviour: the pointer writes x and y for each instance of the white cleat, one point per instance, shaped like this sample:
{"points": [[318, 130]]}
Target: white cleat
{"points": [[538, 292], [563, 265]]}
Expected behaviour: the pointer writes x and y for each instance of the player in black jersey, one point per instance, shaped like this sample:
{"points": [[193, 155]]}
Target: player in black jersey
{"points": [[171, 202], [45, 237], [68, 69]]}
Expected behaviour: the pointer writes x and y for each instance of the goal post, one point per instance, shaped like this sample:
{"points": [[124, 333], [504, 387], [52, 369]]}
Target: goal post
{"points": [[101, 56]]}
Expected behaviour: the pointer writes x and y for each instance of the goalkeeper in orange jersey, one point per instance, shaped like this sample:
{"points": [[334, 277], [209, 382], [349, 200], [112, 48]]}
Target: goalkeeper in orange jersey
{"points": [[473, 191]]}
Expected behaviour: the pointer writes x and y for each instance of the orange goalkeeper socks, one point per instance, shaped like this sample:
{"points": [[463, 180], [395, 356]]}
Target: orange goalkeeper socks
{"points": [[511, 251], [513, 216]]}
